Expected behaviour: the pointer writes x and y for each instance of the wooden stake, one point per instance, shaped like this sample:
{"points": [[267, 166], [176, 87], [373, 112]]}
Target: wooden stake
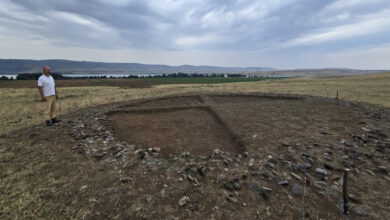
{"points": [[345, 192], [303, 199]]}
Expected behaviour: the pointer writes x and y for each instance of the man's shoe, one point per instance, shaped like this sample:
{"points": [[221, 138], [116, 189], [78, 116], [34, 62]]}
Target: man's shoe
{"points": [[48, 123], [54, 120]]}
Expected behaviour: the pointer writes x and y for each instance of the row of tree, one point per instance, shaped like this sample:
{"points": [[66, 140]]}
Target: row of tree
{"points": [[35, 76]]}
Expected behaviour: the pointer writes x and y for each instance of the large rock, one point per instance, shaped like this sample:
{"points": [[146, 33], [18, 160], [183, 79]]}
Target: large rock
{"points": [[359, 211], [298, 190], [221, 178], [228, 186], [320, 185], [322, 171]]}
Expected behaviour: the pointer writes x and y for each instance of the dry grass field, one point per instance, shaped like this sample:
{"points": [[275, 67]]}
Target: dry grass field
{"points": [[21, 107]]}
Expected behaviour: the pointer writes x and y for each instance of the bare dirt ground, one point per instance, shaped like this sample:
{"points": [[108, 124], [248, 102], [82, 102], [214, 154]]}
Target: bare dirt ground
{"points": [[201, 156]]}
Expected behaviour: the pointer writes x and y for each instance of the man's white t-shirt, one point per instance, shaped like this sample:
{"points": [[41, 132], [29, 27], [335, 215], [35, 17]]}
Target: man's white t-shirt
{"points": [[47, 84]]}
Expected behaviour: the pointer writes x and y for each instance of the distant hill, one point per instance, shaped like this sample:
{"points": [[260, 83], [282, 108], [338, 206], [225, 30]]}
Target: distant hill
{"points": [[15, 66], [314, 72]]}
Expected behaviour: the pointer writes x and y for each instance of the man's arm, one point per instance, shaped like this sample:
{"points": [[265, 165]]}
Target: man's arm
{"points": [[43, 98]]}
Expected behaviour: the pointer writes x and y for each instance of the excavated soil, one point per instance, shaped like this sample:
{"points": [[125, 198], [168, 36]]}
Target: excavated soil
{"points": [[173, 130]]}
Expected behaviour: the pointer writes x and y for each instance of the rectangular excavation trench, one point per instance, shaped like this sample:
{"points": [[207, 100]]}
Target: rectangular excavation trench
{"points": [[175, 130]]}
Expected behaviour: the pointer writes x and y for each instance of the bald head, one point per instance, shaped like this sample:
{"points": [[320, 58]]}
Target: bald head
{"points": [[46, 70]]}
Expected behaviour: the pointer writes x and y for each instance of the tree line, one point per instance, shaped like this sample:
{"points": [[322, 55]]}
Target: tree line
{"points": [[35, 76]]}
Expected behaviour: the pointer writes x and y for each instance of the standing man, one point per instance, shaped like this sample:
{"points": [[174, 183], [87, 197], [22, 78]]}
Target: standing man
{"points": [[47, 90]]}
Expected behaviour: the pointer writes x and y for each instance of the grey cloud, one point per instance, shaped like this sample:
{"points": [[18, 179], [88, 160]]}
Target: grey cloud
{"points": [[244, 25], [152, 24]]}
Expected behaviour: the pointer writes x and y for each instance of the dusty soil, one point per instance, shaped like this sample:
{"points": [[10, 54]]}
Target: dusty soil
{"points": [[248, 154]]}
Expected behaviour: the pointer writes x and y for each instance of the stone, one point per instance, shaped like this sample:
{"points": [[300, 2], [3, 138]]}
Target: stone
{"points": [[231, 198], [184, 200], [83, 188], [382, 169], [323, 132], [270, 165], [335, 188], [321, 171], [296, 176], [236, 186], [125, 179], [228, 186], [192, 179], [156, 149], [196, 206], [354, 198], [131, 147], [328, 166], [245, 175], [359, 211], [251, 161], [99, 156], [326, 157], [370, 172], [283, 183], [143, 154], [305, 166], [298, 190], [366, 129], [186, 154], [236, 180], [255, 186], [272, 160], [193, 170], [202, 171], [266, 174], [162, 193], [320, 185], [217, 152], [266, 192], [148, 198], [221, 178], [255, 173], [291, 151], [284, 143]]}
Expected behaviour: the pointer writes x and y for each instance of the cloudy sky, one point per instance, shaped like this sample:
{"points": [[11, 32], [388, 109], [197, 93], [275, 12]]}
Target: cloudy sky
{"points": [[282, 34]]}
